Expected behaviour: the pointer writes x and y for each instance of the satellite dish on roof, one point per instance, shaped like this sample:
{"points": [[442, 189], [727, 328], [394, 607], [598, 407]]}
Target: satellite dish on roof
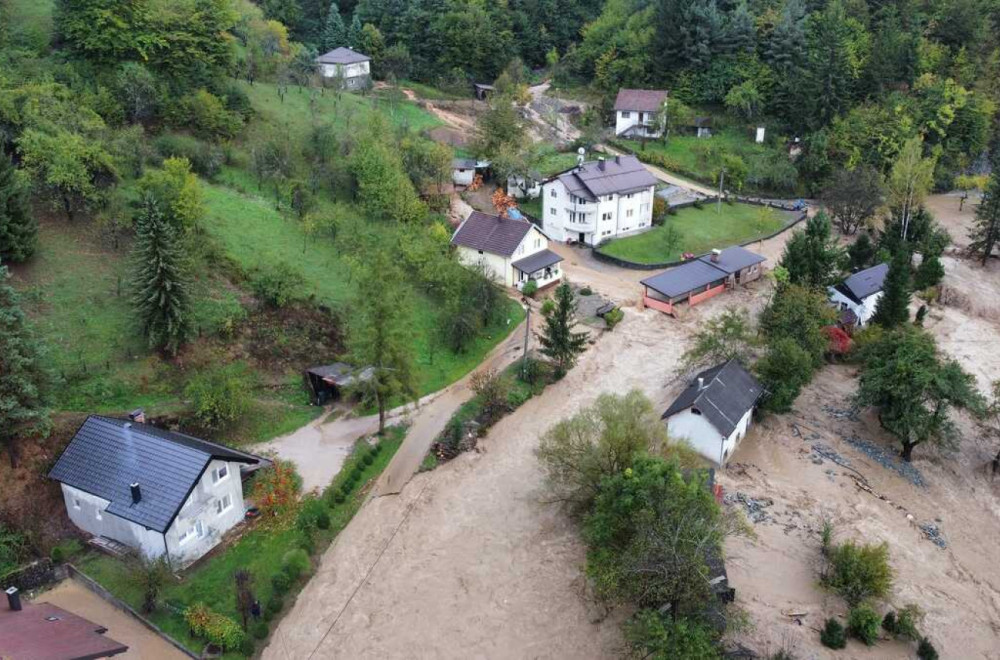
{"points": [[581, 153]]}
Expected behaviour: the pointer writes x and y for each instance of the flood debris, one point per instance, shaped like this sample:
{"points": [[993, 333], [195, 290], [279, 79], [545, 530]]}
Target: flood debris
{"points": [[755, 508]]}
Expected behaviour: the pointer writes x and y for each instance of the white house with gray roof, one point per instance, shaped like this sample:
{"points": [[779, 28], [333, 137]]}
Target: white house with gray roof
{"points": [[857, 297], [162, 493], [599, 200], [715, 411], [639, 113], [351, 67], [511, 250]]}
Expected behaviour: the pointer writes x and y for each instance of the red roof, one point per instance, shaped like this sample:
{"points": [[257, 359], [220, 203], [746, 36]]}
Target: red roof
{"points": [[640, 100], [46, 632]]}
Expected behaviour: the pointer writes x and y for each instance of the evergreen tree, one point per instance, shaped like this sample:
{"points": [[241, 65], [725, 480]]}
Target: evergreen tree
{"points": [[740, 34], [893, 307], [23, 379], [861, 253], [830, 74], [354, 33], [160, 280], [812, 256], [559, 342], [18, 227], [986, 232], [929, 273], [334, 32], [786, 54]]}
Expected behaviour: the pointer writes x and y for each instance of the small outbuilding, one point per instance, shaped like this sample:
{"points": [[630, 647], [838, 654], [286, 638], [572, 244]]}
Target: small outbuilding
{"points": [[482, 91], [329, 382], [714, 412], [699, 279], [857, 296], [463, 171], [702, 127]]}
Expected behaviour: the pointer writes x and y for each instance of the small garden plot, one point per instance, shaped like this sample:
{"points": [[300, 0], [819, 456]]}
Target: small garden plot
{"points": [[699, 230], [277, 551]]}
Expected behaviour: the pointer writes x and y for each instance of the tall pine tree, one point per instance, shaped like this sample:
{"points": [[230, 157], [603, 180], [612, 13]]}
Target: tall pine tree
{"points": [[160, 280], [334, 32], [354, 33], [786, 54], [986, 232], [812, 257], [18, 227], [23, 378], [893, 308], [559, 343]]}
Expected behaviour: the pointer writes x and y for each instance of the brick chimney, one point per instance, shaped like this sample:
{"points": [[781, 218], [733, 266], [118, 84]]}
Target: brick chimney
{"points": [[600, 163], [13, 599], [136, 493], [715, 256], [618, 159]]}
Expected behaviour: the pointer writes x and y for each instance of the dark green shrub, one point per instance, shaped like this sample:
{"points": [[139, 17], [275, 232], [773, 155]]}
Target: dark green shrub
{"points": [[280, 582], [313, 515], [259, 630], [530, 288], [377, 449], [548, 307], [219, 396], [889, 622], [926, 650], [275, 603], [586, 291], [339, 497], [614, 317], [859, 572], [698, 204], [356, 472], [863, 622], [276, 286], [296, 563], [306, 542], [206, 159], [57, 555], [903, 622], [833, 635], [247, 647], [368, 458]]}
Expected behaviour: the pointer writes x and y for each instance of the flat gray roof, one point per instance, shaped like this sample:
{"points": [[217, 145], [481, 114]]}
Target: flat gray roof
{"points": [[684, 278]]}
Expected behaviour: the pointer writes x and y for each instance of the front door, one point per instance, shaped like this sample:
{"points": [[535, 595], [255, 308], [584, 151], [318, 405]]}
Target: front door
{"points": [[583, 237]]}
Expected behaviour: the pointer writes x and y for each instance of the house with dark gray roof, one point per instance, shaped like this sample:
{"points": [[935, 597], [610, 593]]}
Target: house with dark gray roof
{"points": [[857, 296], [511, 250], [598, 200], [162, 493], [350, 68], [639, 113], [697, 280], [715, 411]]}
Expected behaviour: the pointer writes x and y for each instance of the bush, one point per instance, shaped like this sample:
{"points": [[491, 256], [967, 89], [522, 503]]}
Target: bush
{"points": [[614, 317], [586, 291], [313, 514], [377, 449], [280, 583], [356, 472], [206, 159], [368, 458], [276, 286], [863, 622], [339, 497], [530, 288], [698, 204], [219, 396], [903, 623], [259, 630], [859, 572], [275, 603], [215, 628], [530, 371], [833, 635], [296, 563], [926, 650], [548, 306], [652, 635], [204, 114], [247, 646]]}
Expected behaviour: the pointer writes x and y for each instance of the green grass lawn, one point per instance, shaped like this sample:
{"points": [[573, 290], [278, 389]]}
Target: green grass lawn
{"points": [[700, 230], [31, 23], [552, 162], [259, 551]]}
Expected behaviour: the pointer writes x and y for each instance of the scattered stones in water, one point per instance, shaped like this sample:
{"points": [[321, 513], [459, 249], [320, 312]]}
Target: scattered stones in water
{"points": [[887, 459], [754, 507], [933, 534], [821, 451], [841, 413]]}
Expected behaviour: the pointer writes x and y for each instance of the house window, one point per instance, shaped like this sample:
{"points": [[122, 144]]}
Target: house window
{"points": [[695, 411], [626, 114], [186, 536], [220, 474], [538, 242], [606, 217], [553, 193], [629, 196], [628, 213], [223, 504], [199, 528], [480, 251], [552, 211], [99, 516], [76, 503]]}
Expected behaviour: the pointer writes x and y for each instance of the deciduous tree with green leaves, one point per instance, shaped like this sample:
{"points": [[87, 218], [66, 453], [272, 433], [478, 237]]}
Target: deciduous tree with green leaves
{"points": [[72, 170], [160, 280], [812, 256], [728, 336], [853, 197], [559, 342], [177, 192]]}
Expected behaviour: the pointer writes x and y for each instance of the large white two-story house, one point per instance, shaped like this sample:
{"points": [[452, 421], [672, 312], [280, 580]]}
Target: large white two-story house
{"points": [[351, 67], [161, 493], [511, 250], [639, 113], [599, 200]]}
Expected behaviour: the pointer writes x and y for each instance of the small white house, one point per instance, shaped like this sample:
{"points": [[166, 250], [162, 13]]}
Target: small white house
{"points": [[511, 250], [639, 113], [162, 493], [714, 413], [599, 200], [463, 171], [354, 69], [858, 295]]}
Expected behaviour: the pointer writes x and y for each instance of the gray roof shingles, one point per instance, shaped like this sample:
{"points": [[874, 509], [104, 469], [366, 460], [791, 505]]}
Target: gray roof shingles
{"points": [[684, 278], [622, 174], [729, 391], [734, 259], [342, 55], [866, 282], [537, 261], [107, 455], [640, 100], [490, 233]]}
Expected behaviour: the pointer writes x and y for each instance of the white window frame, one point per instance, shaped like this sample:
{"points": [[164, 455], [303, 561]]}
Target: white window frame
{"points": [[553, 193], [220, 474], [626, 114], [187, 535], [97, 512], [220, 504]]}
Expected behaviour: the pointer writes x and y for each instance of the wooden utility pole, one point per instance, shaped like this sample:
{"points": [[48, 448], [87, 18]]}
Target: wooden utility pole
{"points": [[722, 179], [527, 336]]}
